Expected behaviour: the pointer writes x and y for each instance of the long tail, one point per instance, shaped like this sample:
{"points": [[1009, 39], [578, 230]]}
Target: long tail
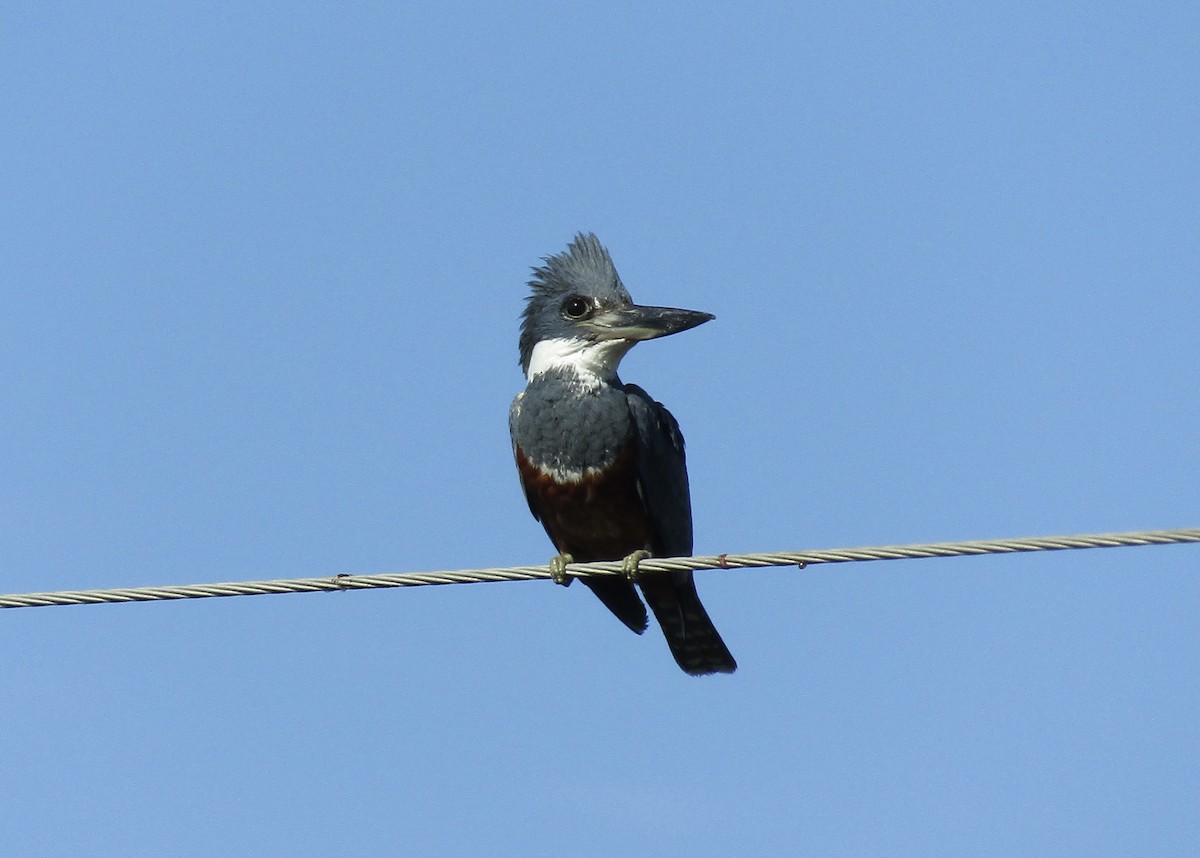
{"points": [[693, 639]]}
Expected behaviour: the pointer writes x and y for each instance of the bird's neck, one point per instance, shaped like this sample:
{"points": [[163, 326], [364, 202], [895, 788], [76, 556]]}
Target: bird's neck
{"points": [[592, 363]]}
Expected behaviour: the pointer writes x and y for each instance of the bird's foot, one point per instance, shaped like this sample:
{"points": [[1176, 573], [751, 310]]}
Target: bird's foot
{"points": [[629, 566], [558, 569]]}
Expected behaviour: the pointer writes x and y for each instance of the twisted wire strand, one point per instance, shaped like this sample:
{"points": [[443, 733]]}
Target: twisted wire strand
{"points": [[527, 573]]}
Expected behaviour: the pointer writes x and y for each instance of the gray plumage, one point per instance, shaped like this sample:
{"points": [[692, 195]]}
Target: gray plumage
{"points": [[601, 462], [547, 418]]}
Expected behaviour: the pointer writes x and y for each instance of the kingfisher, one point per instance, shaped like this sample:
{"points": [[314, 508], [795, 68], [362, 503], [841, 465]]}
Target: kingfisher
{"points": [[601, 462]]}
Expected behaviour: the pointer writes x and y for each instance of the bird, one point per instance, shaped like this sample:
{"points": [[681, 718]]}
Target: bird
{"points": [[601, 462]]}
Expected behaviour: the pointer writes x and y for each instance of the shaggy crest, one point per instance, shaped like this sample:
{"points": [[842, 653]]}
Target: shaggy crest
{"points": [[584, 268]]}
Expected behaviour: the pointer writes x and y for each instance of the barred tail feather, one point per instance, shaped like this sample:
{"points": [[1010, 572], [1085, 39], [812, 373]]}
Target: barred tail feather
{"points": [[691, 635]]}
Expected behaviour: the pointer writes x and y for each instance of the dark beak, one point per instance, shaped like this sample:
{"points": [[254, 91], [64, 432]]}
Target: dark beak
{"points": [[644, 323]]}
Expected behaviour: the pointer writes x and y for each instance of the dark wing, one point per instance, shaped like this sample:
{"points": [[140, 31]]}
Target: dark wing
{"points": [[663, 484], [662, 474]]}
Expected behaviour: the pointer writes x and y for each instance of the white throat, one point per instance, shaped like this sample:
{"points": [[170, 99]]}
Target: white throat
{"points": [[594, 363]]}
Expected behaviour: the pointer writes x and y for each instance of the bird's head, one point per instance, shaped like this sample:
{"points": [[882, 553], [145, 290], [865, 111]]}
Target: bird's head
{"points": [[580, 316]]}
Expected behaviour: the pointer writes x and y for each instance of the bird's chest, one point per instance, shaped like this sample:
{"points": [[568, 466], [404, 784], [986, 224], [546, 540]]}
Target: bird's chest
{"points": [[577, 456], [599, 516], [569, 430]]}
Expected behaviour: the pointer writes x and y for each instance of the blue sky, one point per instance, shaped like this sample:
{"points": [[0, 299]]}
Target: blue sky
{"points": [[261, 270]]}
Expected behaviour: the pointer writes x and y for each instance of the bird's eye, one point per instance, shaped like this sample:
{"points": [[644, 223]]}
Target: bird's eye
{"points": [[576, 307]]}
